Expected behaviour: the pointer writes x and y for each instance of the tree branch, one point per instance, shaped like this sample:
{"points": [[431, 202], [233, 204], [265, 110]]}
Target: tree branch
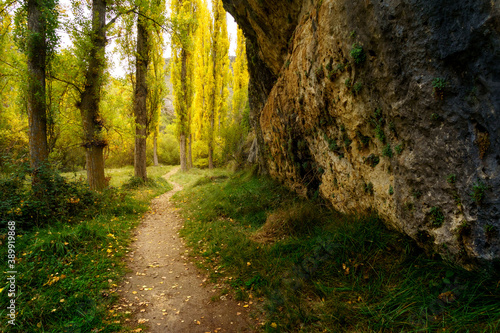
{"points": [[162, 27], [7, 5], [132, 10], [67, 82]]}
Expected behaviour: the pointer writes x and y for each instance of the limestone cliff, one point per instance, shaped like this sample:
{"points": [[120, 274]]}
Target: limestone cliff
{"points": [[386, 105]]}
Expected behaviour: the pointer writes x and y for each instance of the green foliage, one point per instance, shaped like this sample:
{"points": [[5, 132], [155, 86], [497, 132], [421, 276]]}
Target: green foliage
{"points": [[478, 190], [439, 84], [332, 143], [436, 217], [399, 149], [435, 117], [340, 68], [49, 200], [368, 187], [363, 139], [30, 42], [372, 160], [357, 87], [451, 179], [358, 53], [387, 151], [391, 190]]}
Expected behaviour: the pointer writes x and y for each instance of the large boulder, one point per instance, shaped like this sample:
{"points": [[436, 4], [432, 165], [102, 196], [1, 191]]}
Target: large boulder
{"points": [[386, 105]]}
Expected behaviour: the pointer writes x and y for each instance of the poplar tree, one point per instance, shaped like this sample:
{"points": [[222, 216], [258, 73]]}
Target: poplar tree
{"points": [[203, 73], [240, 78], [184, 26], [219, 57], [158, 88]]}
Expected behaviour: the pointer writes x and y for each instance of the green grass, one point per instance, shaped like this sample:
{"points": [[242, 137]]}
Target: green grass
{"points": [[324, 272], [122, 175], [68, 272]]}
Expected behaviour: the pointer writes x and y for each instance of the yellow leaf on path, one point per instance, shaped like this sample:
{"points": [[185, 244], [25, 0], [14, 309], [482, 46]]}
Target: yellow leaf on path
{"points": [[109, 251], [273, 325], [134, 292]]}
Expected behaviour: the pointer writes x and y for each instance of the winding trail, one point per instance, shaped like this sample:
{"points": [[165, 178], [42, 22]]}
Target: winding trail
{"points": [[165, 291]]}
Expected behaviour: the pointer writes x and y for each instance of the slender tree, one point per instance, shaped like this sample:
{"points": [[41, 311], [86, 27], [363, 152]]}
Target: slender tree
{"points": [[220, 72], [184, 26], [203, 74], [240, 78], [158, 91]]}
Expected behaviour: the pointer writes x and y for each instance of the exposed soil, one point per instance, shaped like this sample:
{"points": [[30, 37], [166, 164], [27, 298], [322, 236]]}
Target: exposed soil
{"points": [[165, 291]]}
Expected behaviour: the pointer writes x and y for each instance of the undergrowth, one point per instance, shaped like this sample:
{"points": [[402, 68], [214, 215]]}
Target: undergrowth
{"points": [[323, 271], [68, 268]]}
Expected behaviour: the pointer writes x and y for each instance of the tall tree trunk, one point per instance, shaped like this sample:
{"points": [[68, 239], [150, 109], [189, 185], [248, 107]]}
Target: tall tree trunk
{"points": [[141, 93], [183, 159], [190, 154], [211, 144], [214, 108], [37, 48], [90, 98], [155, 148], [183, 152]]}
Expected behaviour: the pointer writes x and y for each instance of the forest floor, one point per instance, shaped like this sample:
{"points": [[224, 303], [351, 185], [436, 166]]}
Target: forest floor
{"points": [[165, 291]]}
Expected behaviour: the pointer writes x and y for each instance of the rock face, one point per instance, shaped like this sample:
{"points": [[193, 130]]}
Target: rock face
{"points": [[385, 105]]}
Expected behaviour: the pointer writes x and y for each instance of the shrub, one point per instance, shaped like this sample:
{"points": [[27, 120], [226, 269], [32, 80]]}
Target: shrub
{"points": [[478, 190], [436, 217], [358, 54], [52, 198]]}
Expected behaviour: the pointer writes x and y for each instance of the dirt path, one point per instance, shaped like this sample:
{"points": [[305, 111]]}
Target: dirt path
{"points": [[165, 290]]}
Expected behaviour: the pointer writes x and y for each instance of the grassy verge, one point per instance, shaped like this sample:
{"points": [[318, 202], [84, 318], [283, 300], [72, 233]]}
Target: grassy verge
{"points": [[319, 271], [68, 272], [120, 176]]}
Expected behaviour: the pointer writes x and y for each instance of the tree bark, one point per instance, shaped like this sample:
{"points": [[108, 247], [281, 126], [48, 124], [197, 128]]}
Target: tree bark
{"points": [[90, 98], [211, 144], [190, 154], [141, 93], [155, 149], [183, 113], [211, 135], [183, 152], [37, 53]]}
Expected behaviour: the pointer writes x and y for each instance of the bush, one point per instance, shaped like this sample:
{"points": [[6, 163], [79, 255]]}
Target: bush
{"points": [[52, 198]]}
